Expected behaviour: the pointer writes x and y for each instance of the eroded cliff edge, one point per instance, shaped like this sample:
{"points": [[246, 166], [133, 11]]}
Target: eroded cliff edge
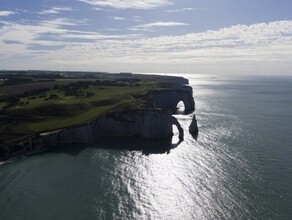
{"points": [[154, 120]]}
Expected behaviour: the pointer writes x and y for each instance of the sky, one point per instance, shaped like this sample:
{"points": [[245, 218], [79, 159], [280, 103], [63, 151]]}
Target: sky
{"points": [[166, 36]]}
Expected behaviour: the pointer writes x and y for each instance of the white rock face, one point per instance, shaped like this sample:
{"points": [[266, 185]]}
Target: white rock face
{"points": [[145, 123], [81, 134]]}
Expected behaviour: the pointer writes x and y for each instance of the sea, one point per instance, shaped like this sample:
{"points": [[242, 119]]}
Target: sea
{"points": [[238, 167]]}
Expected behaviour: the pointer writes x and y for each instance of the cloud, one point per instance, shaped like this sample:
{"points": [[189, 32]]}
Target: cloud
{"points": [[181, 10], [100, 9], [120, 18], [134, 18], [51, 44], [158, 24], [128, 4], [55, 10], [17, 39], [6, 13]]}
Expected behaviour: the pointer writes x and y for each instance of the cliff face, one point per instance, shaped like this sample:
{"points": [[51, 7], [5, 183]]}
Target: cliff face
{"points": [[75, 135], [148, 123], [144, 123], [168, 99]]}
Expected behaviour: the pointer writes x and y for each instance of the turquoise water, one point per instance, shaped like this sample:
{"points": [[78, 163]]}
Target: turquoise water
{"points": [[240, 167]]}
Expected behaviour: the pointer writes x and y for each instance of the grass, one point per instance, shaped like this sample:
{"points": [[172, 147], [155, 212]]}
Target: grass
{"points": [[100, 94], [112, 97], [2, 105]]}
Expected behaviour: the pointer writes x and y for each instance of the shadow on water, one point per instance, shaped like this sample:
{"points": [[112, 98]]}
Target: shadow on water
{"points": [[146, 146]]}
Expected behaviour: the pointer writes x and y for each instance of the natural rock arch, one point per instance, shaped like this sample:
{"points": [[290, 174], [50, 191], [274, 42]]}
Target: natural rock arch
{"points": [[168, 99], [179, 128]]}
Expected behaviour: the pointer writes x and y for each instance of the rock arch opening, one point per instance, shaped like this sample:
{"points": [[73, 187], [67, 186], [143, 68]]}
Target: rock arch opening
{"points": [[180, 107], [178, 128], [175, 138]]}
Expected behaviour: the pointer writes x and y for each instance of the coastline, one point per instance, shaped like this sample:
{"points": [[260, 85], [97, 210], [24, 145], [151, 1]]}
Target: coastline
{"points": [[154, 120]]}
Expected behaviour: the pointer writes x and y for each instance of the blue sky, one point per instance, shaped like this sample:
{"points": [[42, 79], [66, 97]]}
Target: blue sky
{"points": [[191, 36]]}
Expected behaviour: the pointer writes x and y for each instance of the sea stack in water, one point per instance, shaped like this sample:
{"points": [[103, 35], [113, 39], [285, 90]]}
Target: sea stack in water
{"points": [[193, 128]]}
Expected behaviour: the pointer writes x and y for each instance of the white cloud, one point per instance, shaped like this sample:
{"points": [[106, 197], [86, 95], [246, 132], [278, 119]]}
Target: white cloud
{"points": [[112, 29], [55, 10], [99, 9], [126, 4], [133, 18], [6, 13], [266, 44], [120, 18], [182, 10], [158, 24], [16, 39]]}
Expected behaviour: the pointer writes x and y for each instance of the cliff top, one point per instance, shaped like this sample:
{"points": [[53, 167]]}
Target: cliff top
{"points": [[31, 103]]}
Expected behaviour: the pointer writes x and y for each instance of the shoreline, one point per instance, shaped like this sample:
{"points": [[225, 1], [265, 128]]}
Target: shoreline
{"points": [[153, 121]]}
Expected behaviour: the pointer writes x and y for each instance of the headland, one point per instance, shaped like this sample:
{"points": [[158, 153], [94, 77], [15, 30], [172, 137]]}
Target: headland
{"points": [[44, 109]]}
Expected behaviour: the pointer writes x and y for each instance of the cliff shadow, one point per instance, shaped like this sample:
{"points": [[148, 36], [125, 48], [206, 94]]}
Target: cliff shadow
{"points": [[146, 146]]}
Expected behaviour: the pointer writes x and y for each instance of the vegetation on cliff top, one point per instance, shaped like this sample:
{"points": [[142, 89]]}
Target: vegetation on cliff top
{"points": [[31, 105]]}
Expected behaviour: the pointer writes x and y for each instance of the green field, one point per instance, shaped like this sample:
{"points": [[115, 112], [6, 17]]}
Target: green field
{"points": [[65, 102]]}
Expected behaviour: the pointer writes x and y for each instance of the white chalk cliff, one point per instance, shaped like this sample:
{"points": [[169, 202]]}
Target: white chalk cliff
{"points": [[150, 123]]}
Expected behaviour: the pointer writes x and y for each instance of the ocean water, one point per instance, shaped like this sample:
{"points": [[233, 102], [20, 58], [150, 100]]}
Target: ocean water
{"points": [[240, 166]]}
